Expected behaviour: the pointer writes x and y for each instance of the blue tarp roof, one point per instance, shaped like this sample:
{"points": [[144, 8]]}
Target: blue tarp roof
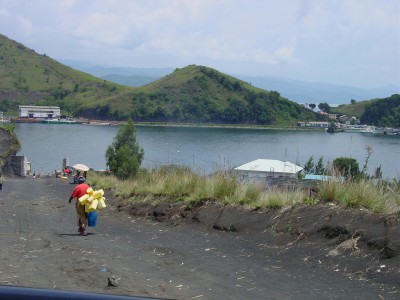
{"points": [[322, 177]]}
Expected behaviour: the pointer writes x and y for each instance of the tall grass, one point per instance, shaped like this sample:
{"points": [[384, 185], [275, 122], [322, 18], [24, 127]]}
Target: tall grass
{"points": [[363, 193], [276, 198], [176, 183]]}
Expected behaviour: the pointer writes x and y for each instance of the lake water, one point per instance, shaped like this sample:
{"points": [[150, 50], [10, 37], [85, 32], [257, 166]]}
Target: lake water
{"points": [[203, 149]]}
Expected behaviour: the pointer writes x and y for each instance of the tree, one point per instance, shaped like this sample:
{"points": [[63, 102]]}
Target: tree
{"points": [[348, 167], [353, 101], [312, 106], [309, 166], [320, 168], [124, 156], [324, 107]]}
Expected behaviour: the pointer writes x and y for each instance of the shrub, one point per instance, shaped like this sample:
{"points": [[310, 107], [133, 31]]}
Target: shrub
{"points": [[124, 156]]}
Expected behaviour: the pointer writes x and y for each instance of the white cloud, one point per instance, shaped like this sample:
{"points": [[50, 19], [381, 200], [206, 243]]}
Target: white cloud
{"points": [[311, 40]]}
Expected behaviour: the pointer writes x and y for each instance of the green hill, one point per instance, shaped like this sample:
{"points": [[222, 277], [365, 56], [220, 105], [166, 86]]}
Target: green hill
{"points": [[29, 78], [355, 109], [193, 94], [378, 112]]}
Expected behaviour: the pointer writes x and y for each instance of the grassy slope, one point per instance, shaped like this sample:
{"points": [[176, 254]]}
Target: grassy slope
{"points": [[24, 73], [29, 78], [356, 109]]}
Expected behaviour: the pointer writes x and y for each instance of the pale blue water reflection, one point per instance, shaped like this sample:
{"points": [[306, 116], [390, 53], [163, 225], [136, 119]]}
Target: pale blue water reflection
{"points": [[203, 149]]}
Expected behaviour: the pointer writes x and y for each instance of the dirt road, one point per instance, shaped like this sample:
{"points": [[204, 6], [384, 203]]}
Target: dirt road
{"points": [[40, 247]]}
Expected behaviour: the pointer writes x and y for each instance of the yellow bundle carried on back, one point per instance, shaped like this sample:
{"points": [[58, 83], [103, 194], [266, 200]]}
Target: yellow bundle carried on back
{"points": [[93, 200], [84, 199], [93, 204], [98, 194], [101, 203], [87, 208], [89, 191]]}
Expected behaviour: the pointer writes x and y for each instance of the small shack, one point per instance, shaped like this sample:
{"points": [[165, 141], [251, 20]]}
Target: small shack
{"points": [[261, 170]]}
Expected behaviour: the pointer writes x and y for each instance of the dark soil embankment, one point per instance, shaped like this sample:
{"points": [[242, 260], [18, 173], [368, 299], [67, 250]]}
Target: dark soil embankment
{"points": [[350, 241], [9, 146]]}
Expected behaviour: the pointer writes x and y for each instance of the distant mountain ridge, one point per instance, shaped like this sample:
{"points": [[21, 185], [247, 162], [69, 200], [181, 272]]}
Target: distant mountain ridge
{"points": [[295, 90]]}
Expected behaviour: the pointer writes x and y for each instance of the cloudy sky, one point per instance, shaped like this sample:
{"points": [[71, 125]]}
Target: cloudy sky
{"points": [[347, 42]]}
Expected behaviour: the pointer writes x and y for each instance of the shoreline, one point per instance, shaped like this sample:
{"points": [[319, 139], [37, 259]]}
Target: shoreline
{"points": [[172, 125]]}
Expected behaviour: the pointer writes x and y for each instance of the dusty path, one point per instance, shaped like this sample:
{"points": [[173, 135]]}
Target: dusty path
{"points": [[40, 248]]}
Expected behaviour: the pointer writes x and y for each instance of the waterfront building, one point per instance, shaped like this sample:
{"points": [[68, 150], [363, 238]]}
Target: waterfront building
{"points": [[313, 124], [26, 111]]}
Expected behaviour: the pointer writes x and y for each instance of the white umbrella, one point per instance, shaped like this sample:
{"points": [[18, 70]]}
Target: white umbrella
{"points": [[81, 167]]}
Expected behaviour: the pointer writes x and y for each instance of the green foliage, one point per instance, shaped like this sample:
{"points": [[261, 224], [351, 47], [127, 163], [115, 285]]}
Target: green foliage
{"points": [[177, 183], [320, 168], [33, 79], [348, 167], [385, 112], [311, 168], [324, 107], [124, 155], [194, 94], [361, 193]]}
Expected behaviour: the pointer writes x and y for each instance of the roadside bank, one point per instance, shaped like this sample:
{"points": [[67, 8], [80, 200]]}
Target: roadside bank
{"points": [[351, 241]]}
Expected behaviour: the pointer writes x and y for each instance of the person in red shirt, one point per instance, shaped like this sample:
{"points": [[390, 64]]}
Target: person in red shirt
{"points": [[78, 192]]}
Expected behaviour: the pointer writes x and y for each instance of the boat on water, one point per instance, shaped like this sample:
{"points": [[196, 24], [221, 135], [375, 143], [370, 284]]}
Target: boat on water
{"points": [[59, 121], [378, 130], [392, 131], [371, 129], [374, 130], [358, 128]]}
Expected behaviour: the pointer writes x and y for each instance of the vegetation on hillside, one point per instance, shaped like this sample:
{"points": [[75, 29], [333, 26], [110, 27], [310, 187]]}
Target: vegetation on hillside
{"points": [[192, 94], [9, 143], [28, 78], [383, 112], [204, 95]]}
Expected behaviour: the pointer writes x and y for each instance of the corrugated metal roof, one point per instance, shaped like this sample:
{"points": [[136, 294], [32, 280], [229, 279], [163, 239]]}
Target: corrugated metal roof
{"points": [[270, 165]]}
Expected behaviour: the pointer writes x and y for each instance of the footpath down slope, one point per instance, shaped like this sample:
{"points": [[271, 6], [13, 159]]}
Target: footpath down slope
{"points": [[206, 252]]}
